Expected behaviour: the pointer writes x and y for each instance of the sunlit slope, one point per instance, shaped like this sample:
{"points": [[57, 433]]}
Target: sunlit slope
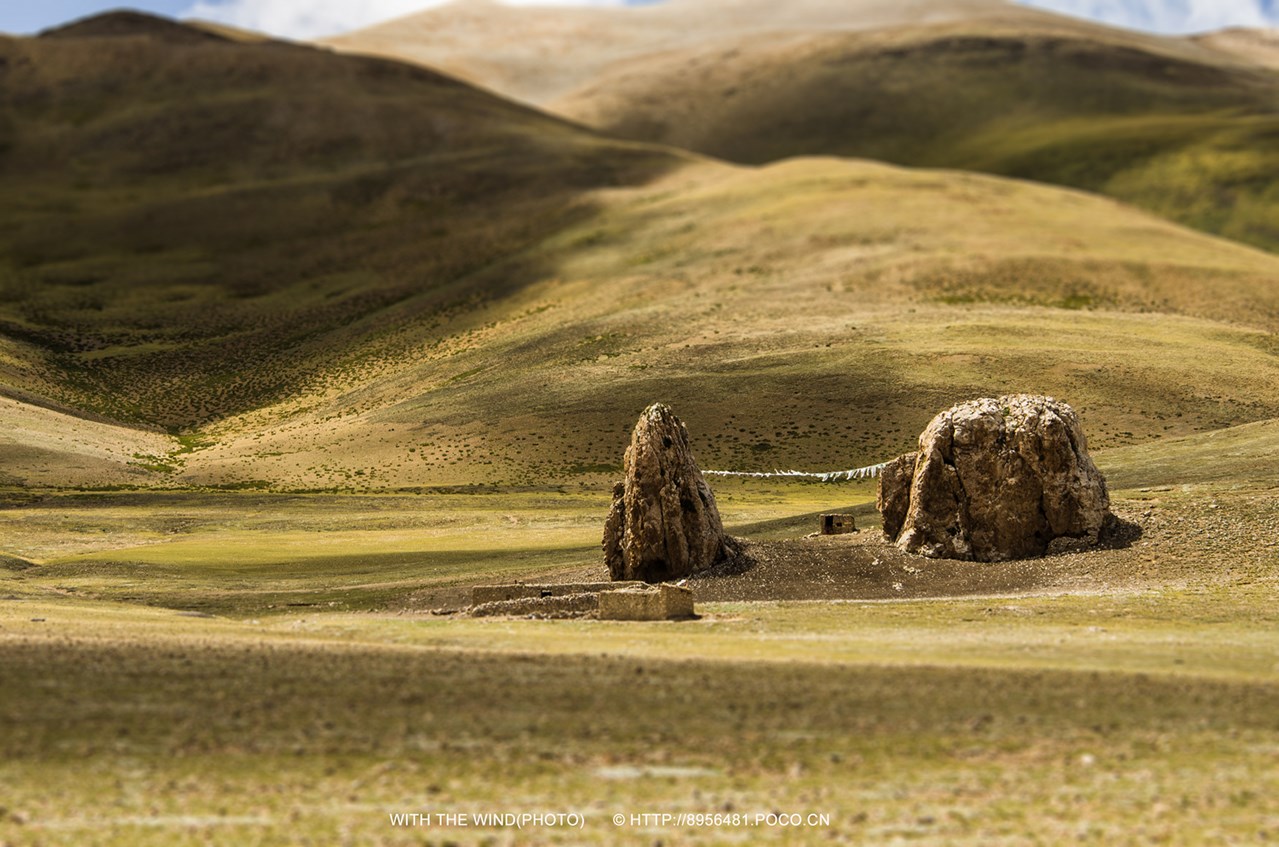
{"points": [[1190, 137], [46, 448], [536, 54], [192, 227], [814, 314], [1259, 46], [323, 272], [1241, 456], [1183, 127]]}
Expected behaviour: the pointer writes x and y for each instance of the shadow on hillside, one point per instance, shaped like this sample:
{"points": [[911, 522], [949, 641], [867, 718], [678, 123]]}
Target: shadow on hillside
{"points": [[223, 266]]}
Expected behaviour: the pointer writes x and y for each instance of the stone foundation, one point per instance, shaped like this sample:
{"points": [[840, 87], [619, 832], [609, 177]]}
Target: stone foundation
{"points": [[559, 606], [620, 601], [654, 603], [482, 594]]}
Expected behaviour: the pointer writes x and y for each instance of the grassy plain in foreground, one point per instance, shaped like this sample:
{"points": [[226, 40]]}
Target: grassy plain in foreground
{"points": [[1134, 701]]}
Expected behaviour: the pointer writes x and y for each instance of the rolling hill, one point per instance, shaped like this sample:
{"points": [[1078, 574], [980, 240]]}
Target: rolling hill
{"points": [[848, 301], [253, 264], [192, 226], [536, 54], [1259, 46], [1181, 127], [296, 348]]}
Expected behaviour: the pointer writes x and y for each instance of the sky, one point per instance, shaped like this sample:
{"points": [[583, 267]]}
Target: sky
{"points": [[313, 18]]}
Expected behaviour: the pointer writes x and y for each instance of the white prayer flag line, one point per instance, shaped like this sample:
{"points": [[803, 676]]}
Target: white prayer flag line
{"points": [[828, 476]]}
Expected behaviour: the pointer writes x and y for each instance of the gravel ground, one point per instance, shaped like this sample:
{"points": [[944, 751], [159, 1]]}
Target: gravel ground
{"points": [[1168, 537], [1172, 537]]}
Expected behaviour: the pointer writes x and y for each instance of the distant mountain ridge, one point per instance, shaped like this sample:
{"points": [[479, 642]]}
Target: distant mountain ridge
{"points": [[1179, 126], [129, 24], [536, 54]]}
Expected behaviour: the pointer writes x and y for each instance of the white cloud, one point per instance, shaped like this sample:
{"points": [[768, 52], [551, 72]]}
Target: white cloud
{"points": [[1169, 16], [303, 19]]}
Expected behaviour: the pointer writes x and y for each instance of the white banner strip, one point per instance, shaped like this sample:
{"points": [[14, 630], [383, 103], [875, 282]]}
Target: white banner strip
{"points": [[828, 476]]}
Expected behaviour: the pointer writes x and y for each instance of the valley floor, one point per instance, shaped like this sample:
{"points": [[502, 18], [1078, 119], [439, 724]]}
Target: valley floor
{"points": [[184, 668]]}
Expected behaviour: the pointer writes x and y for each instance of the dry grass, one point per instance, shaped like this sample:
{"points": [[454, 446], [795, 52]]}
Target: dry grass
{"points": [[1140, 705], [847, 299], [1182, 127], [852, 300], [403, 285], [331, 310], [1187, 136]]}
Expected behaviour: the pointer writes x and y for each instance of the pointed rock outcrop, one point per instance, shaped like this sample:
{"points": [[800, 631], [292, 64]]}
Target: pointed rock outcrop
{"points": [[664, 523]]}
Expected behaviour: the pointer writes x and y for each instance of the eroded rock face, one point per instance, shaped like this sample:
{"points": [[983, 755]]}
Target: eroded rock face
{"points": [[664, 523], [996, 479], [894, 493]]}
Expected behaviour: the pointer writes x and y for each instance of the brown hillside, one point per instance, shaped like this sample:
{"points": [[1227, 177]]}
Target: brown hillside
{"points": [[1178, 126], [537, 54], [126, 24], [191, 227], [1259, 46], [325, 272]]}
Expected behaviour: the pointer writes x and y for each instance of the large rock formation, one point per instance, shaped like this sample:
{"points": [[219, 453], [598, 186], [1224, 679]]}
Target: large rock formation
{"points": [[996, 479], [664, 523]]}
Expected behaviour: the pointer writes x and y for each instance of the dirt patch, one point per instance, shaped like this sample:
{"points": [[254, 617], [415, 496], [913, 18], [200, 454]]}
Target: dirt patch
{"points": [[1169, 538], [865, 567]]}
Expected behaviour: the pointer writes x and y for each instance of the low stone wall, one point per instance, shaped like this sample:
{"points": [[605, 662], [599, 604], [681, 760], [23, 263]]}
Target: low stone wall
{"points": [[650, 603], [482, 594], [618, 601], [560, 606]]}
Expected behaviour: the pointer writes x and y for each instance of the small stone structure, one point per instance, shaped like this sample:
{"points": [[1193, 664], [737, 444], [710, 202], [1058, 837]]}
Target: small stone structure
{"points": [[838, 524], [663, 524], [481, 594], [649, 603], [642, 601], [996, 479], [558, 606]]}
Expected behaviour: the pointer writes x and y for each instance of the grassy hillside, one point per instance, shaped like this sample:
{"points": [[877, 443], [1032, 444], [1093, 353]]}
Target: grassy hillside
{"points": [[1182, 127], [849, 301], [1189, 137], [1259, 46], [192, 226], [537, 53], [438, 288]]}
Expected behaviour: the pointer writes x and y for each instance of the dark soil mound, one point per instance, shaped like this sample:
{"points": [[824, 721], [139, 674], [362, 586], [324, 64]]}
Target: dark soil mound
{"points": [[13, 563], [131, 24], [863, 567]]}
